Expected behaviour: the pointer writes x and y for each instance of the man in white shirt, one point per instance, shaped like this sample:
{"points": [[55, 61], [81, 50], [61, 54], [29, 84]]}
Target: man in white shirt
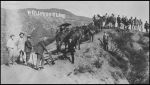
{"points": [[11, 46]]}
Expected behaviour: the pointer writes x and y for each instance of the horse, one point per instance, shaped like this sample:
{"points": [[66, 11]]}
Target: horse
{"points": [[60, 37], [76, 35]]}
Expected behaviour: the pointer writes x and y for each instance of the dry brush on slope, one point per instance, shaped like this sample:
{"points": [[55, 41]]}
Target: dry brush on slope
{"points": [[135, 48], [94, 61]]}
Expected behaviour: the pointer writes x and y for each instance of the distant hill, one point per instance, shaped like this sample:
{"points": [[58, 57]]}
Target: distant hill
{"points": [[28, 23], [46, 24]]}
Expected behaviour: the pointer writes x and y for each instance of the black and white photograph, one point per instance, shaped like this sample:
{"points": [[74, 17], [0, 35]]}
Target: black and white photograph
{"points": [[75, 42]]}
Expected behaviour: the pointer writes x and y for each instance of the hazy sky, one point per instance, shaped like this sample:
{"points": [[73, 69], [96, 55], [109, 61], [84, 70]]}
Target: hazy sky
{"points": [[139, 9]]}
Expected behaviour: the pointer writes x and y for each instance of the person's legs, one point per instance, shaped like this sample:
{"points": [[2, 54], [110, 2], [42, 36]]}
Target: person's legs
{"points": [[20, 56], [104, 46], [38, 61], [146, 30], [13, 57], [92, 38], [128, 28], [72, 55], [131, 27], [119, 25], [107, 46], [9, 56], [42, 61], [27, 57], [136, 27]]}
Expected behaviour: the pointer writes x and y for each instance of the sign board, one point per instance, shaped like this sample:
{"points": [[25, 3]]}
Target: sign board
{"points": [[53, 14]]}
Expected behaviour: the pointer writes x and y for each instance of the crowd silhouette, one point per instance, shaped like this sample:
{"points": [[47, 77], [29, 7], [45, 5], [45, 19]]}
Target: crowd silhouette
{"points": [[107, 22]]}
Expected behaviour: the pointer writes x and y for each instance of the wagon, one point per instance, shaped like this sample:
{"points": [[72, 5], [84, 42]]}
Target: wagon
{"points": [[48, 58]]}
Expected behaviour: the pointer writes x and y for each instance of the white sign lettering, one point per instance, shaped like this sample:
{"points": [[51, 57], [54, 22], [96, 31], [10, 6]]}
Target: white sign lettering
{"points": [[53, 14]]}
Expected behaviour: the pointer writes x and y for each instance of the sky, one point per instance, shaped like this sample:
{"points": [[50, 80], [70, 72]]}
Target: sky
{"points": [[139, 9]]}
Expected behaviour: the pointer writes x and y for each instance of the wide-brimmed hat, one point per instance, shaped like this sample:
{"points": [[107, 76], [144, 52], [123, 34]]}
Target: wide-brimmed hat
{"points": [[21, 33]]}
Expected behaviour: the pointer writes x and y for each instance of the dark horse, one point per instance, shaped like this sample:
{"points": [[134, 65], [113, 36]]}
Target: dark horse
{"points": [[75, 34], [60, 38]]}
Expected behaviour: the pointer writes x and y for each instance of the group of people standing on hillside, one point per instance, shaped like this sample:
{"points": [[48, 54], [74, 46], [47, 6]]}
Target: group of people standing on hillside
{"points": [[21, 49], [122, 22]]}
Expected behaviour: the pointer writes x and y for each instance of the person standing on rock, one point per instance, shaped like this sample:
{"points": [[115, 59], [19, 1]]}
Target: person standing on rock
{"points": [[131, 21], [20, 43], [123, 21], [91, 33], [135, 24], [140, 25], [11, 46], [28, 48], [105, 41], [146, 26], [39, 51], [71, 48]]}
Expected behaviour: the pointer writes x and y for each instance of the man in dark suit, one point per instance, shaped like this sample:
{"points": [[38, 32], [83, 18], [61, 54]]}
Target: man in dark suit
{"points": [[118, 20], [28, 48], [135, 23], [131, 21], [71, 48], [123, 21], [40, 48], [146, 26]]}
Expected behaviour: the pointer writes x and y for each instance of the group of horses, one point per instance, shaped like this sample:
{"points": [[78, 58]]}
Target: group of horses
{"points": [[77, 34]]}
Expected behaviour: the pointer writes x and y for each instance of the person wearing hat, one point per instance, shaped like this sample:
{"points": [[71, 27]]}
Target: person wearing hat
{"points": [[71, 48], [146, 26], [131, 21], [105, 41], [21, 42], [28, 48], [123, 21], [118, 20], [11, 46], [94, 18], [40, 48], [141, 24], [135, 23]]}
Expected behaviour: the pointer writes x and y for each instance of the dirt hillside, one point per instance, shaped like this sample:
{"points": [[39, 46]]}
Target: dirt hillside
{"points": [[92, 65]]}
